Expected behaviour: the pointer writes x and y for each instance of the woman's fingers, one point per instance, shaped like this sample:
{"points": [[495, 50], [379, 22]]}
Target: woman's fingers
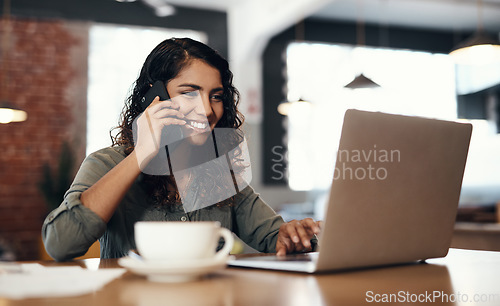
{"points": [[154, 103], [291, 232], [164, 112], [167, 112], [311, 225], [157, 105], [319, 224], [284, 245], [296, 235], [173, 121], [304, 236]]}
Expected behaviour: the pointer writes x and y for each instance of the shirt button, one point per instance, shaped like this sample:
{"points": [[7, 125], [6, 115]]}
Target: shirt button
{"points": [[184, 218]]}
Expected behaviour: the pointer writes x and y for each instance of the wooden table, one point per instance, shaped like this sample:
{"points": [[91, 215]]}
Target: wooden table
{"points": [[463, 276]]}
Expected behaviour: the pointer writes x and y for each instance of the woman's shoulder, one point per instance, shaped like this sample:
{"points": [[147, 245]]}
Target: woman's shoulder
{"points": [[110, 151], [110, 155], [96, 165], [246, 194]]}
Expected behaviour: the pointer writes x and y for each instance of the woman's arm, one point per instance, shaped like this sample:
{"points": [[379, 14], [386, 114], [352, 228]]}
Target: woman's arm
{"points": [[105, 195], [256, 224], [69, 230], [259, 226], [103, 180]]}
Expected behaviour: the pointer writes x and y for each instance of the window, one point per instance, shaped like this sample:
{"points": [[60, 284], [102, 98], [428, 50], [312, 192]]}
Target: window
{"points": [[412, 83], [116, 55]]}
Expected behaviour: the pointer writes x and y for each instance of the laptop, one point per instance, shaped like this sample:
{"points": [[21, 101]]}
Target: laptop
{"points": [[393, 198]]}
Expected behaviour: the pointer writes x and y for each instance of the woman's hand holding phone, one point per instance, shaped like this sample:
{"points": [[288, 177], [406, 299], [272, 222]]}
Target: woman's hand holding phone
{"points": [[158, 115]]}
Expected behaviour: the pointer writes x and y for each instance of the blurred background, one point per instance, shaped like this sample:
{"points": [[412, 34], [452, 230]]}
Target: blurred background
{"points": [[67, 67]]}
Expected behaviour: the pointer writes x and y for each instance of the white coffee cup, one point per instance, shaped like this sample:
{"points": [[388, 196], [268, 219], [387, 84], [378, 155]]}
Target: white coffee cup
{"points": [[181, 241]]}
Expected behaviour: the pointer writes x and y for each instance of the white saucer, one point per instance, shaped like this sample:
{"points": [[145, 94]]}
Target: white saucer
{"points": [[170, 272]]}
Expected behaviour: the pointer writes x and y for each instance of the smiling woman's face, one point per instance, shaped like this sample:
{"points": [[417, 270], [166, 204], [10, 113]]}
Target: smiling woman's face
{"points": [[198, 90]]}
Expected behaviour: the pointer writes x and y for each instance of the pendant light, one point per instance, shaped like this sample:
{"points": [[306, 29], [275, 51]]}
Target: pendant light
{"points": [[478, 49], [8, 113], [361, 81], [285, 107]]}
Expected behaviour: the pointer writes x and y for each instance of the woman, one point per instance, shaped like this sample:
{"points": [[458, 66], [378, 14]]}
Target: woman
{"points": [[110, 192]]}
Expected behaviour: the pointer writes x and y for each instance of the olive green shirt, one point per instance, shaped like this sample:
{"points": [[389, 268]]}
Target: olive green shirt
{"points": [[70, 229]]}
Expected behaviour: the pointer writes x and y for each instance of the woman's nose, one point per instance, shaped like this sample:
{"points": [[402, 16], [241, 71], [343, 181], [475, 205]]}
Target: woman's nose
{"points": [[204, 108]]}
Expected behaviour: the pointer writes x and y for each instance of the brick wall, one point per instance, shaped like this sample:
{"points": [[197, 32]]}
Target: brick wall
{"points": [[47, 73]]}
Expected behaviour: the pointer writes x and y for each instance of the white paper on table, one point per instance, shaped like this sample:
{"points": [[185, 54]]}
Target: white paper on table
{"points": [[35, 281]]}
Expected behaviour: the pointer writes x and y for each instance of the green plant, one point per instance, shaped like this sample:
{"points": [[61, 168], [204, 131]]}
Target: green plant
{"points": [[55, 183]]}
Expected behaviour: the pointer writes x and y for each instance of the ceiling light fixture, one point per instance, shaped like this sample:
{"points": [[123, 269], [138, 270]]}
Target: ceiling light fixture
{"points": [[8, 113], [165, 10], [480, 48], [285, 107], [361, 81], [160, 7]]}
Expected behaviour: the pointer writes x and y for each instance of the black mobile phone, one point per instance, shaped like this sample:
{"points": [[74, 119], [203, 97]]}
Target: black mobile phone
{"points": [[174, 132], [158, 89]]}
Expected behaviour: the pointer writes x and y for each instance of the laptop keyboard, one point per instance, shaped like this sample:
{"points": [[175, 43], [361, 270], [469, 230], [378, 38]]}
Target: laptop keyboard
{"points": [[296, 257]]}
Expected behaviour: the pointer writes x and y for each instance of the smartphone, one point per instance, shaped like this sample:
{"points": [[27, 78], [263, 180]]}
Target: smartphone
{"points": [[174, 132], [158, 89]]}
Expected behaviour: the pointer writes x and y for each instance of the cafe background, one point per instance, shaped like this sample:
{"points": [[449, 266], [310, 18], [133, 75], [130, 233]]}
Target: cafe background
{"points": [[70, 64]]}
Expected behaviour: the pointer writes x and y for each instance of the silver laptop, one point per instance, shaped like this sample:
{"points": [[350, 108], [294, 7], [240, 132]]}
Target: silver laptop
{"points": [[393, 198]]}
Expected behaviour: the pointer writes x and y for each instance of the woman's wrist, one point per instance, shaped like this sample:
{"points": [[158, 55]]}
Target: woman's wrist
{"points": [[143, 156]]}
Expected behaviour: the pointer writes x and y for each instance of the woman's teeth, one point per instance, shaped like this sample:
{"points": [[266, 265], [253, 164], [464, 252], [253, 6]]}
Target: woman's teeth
{"points": [[198, 125]]}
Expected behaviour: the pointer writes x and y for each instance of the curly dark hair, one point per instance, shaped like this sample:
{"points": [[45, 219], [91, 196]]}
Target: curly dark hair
{"points": [[164, 63]]}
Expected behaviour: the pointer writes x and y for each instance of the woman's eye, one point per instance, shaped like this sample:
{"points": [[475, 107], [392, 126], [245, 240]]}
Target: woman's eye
{"points": [[190, 94], [216, 98]]}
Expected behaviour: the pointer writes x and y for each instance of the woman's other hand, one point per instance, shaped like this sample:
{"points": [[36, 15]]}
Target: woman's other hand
{"points": [[296, 235]]}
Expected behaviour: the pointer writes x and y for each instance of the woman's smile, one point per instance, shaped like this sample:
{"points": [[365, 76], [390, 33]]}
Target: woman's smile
{"points": [[197, 126]]}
